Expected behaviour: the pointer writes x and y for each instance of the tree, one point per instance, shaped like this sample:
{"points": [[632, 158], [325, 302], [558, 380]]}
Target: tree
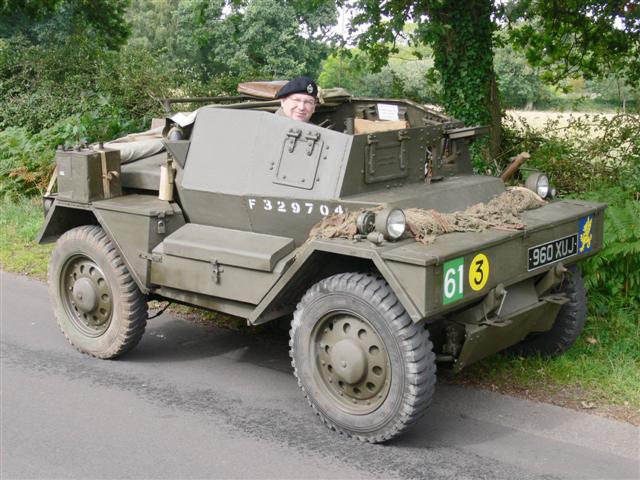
{"points": [[589, 37], [592, 38], [61, 58], [226, 41], [403, 77], [520, 84], [461, 36]]}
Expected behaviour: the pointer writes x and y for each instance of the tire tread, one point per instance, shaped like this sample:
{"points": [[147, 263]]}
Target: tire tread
{"points": [[133, 304], [413, 340]]}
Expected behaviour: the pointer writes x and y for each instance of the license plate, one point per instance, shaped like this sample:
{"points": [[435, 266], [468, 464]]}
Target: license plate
{"points": [[553, 251]]}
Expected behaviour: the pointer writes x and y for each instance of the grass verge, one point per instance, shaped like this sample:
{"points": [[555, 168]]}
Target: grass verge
{"points": [[20, 222], [600, 373]]}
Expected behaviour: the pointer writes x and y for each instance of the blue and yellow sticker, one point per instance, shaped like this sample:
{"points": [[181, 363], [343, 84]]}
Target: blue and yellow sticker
{"points": [[585, 234]]}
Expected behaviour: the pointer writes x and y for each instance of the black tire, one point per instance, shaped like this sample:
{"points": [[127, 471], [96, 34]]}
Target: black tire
{"points": [[389, 378], [568, 325], [97, 304]]}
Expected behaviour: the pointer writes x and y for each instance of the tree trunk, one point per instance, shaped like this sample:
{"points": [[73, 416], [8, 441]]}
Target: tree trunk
{"points": [[495, 111], [461, 35]]}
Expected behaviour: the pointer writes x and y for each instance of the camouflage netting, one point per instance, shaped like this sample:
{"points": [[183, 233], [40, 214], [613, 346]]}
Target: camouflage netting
{"points": [[502, 212]]}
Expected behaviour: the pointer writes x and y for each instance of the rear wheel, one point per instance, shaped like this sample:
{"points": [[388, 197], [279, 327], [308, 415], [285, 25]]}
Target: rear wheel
{"points": [[568, 325], [367, 370], [97, 304]]}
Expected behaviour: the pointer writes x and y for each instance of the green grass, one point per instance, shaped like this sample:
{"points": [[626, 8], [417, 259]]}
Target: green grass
{"points": [[604, 364], [20, 222]]}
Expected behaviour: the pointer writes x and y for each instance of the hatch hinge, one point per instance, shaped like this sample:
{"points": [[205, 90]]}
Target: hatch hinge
{"points": [[311, 138], [294, 135]]}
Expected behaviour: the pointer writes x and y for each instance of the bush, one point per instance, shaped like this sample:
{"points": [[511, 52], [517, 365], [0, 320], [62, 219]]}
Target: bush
{"points": [[69, 93], [613, 276], [581, 152], [44, 84], [26, 159], [595, 157]]}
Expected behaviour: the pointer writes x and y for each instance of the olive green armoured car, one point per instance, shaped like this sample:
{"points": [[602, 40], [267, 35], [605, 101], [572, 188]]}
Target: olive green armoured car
{"points": [[221, 218]]}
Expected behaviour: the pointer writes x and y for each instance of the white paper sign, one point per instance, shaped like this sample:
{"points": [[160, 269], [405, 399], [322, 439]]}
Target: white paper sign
{"points": [[184, 119], [387, 112]]}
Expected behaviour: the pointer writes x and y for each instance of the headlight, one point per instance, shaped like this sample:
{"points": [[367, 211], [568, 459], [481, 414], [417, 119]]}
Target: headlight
{"points": [[391, 223], [539, 183]]}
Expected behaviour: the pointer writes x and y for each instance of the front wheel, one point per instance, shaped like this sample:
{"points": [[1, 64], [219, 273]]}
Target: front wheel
{"points": [[366, 369], [97, 304]]}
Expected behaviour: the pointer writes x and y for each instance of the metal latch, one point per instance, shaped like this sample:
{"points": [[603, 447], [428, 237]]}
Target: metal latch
{"points": [[161, 225], [372, 140], [312, 138], [402, 136], [216, 270], [293, 134]]}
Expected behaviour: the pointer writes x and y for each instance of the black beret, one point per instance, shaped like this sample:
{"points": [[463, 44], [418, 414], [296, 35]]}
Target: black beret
{"points": [[299, 85]]}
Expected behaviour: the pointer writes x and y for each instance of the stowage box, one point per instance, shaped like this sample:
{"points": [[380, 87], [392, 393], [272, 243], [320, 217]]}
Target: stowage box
{"points": [[86, 175]]}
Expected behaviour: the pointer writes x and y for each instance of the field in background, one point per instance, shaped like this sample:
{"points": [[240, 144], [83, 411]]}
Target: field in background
{"points": [[540, 119]]}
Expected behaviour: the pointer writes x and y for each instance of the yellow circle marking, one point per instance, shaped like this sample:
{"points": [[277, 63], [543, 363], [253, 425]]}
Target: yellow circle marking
{"points": [[478, 272]]}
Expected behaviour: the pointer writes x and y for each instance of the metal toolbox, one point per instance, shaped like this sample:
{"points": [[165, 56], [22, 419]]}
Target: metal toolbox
{"points": [[85, 175]]}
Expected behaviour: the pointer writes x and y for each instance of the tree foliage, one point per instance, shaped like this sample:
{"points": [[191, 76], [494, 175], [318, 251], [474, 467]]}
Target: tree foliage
{"points": [[461, 37], [226, 41], [591, 38], [406, 75], [56, 21], [588, 37], [520, 85]]}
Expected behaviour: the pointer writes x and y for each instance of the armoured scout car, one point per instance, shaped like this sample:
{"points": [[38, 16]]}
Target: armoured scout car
{"points": [[372, 313]]}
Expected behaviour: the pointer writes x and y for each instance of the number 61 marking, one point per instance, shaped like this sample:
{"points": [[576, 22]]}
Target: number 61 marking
{"points": [[452, 288]]}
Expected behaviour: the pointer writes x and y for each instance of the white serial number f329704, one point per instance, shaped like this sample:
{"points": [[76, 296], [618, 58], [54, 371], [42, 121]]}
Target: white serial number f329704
{"points": [[293, 206]]}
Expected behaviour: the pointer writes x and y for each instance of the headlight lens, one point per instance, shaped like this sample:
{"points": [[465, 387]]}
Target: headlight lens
{"points": [[391, 222], [539, 183]]}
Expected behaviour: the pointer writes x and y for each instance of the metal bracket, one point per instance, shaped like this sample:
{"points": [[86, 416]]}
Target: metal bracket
{"points": [[293, 134], [216, 270], [152, 257]]}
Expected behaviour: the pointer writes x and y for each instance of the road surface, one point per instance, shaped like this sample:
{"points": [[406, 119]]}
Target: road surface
{"points": [[194, 401]]}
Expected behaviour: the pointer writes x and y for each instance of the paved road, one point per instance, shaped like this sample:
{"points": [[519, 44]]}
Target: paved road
{"points": [[199, 402]]}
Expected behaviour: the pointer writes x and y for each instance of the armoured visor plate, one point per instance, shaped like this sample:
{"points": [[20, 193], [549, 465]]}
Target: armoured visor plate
{"points": [[550, 252]]}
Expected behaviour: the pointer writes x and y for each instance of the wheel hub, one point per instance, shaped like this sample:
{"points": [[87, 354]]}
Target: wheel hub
{"points": [[84, 295], [351, 362]]}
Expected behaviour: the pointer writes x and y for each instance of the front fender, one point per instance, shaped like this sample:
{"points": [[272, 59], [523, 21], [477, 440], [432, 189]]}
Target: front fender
{"points": [[62, 217], [318, 259]]}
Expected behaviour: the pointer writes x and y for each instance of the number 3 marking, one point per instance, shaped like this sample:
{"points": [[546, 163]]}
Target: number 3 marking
{"points": [[479, 272]]}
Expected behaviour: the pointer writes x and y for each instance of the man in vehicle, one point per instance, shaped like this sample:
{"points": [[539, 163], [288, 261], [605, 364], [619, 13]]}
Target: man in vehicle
{"points": [[298, 99]]}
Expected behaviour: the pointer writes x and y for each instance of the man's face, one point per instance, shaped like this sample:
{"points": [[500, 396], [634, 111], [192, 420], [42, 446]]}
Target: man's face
{"points": [[299, 106]]}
